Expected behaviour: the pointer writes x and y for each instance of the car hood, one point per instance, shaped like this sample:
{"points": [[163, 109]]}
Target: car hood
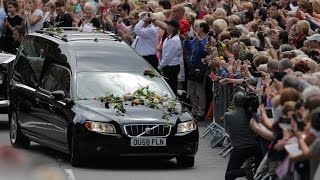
{"points": [[94, 110]]}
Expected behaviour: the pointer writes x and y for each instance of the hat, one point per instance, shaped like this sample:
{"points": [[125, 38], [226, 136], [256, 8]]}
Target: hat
{"points": [[315, 37], [173, 23]]}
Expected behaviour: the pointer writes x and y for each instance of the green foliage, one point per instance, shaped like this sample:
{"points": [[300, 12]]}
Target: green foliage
{"points": [[144, 97]]}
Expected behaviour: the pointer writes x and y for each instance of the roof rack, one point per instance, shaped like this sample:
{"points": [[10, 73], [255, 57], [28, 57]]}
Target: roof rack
{"points": [[53, 34], [64, 36], [64, 28]]}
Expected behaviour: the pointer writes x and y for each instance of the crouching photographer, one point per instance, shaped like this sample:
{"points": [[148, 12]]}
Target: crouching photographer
{"points": [[242, 138]]}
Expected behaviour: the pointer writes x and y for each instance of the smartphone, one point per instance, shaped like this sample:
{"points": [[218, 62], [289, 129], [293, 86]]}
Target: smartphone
{"points": [[115, 17], [279, 75], [284, 120], [269, 113], [256, 117], [257, 74], [284, 123]]}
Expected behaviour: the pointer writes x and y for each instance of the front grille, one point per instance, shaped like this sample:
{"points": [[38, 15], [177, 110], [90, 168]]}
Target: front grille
{"points": [[158, 130]]}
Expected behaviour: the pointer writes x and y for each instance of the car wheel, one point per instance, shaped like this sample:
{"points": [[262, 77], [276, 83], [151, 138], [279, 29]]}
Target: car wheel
{"points": [[17, 139], [76, 158], [185, 161]]}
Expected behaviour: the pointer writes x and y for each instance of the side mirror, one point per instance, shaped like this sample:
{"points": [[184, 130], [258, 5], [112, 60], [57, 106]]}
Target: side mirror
{"points": [[58, 95]]}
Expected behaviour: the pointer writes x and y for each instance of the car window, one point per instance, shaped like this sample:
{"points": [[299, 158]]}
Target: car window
{"points": [[56, 78], [31, 56], [96, 84]]}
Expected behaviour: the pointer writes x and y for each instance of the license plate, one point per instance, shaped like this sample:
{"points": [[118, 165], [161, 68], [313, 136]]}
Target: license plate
{"points": [[148, 141]]}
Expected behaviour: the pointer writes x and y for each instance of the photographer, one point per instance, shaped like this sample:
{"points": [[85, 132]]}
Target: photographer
{"points": [[146, 41], [243, 139]]}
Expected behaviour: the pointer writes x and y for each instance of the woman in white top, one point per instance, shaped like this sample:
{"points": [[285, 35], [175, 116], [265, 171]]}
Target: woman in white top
{"points": [[171, 55], [33, 16]]}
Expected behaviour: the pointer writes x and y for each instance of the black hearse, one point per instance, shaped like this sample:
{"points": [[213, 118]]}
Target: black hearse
{"points": [[56, 80]]}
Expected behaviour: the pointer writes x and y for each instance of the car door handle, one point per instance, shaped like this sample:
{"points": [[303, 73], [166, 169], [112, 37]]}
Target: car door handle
{"points": [[37, 101]]}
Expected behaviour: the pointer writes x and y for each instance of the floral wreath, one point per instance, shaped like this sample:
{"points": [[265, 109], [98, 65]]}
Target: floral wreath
{"points": [[143, 96]]}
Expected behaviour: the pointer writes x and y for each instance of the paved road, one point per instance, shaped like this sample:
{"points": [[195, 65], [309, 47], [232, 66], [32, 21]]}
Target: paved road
{"points": [[208, 164]]}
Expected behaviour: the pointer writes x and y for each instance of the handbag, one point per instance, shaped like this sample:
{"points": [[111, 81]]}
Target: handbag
{"points": [[197, 73]]}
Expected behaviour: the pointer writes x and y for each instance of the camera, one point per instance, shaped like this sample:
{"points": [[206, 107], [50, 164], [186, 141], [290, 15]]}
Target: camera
{"points": [[252, 102], [115, 18]]}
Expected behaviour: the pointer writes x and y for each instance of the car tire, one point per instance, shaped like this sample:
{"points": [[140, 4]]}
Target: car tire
{"points": [[185, 161], [76, 158], [17, 139]]}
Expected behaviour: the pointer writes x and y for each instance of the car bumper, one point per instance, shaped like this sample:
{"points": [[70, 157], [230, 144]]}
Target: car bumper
{"points": [[93, 144]]}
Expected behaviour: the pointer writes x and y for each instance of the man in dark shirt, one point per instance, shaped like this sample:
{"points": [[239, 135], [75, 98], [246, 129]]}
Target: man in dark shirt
{"points": [[274, 14], [242, 139], [63, 18]]}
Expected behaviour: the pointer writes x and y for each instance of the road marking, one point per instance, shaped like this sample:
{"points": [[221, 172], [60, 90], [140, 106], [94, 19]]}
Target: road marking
{"points": [[70, 174]]}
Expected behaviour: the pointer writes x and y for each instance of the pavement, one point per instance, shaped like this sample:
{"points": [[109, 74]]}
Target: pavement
{"points": [[208, 165]]}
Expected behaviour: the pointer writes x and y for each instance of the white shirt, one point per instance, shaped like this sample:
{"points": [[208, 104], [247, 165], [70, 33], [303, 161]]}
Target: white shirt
{"points": [[38, 25], [171, 52], [146, 41], [2, 17]]}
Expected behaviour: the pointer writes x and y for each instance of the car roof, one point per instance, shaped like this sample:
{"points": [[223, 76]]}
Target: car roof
{"points": [[100, 51], [4, 57], [105, 55]]}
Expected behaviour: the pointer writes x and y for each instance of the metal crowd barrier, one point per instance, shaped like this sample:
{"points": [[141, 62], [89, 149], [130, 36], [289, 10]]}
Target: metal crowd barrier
{"points": [[222, 95]]}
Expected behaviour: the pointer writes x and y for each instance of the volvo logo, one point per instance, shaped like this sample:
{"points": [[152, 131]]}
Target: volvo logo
{"points": [[147, 131]]}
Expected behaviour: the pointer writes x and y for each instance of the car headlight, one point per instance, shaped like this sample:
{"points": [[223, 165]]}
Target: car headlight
{"points": [[99, 127], [186, 126]]}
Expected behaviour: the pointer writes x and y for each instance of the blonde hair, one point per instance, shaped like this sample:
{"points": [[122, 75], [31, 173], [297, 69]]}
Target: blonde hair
{"points": [[191, 16], [288, 106], [247, 6], [221, 24], [220, 12], [159, 16], [167, 13], [208, 18], [236, 19], [153, 4], [305, 26]]}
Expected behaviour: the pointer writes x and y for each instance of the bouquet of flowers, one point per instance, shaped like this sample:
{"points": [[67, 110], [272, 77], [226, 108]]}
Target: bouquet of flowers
{"points": [[150, 73], [56, 29], [144, 97]]}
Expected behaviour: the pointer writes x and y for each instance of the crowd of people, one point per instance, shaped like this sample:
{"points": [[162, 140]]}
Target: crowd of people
{"points": [[271, 48]]}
